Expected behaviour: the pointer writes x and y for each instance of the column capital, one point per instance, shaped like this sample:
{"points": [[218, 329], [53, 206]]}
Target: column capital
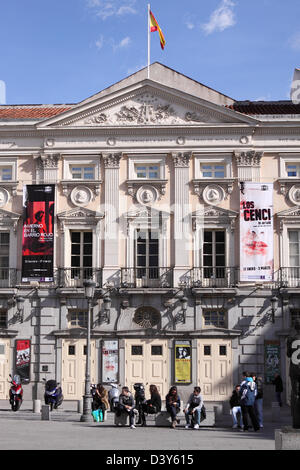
{"points": [[181, 160], [111, 160]]}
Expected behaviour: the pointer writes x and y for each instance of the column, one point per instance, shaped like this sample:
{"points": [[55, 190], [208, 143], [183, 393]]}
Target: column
{"points": [[111, 224], [182, 229]]}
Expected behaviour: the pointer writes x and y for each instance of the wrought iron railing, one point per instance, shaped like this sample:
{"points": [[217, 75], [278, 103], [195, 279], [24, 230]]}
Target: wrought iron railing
{"points": [[218, 276], [147, 277], [74, 277]]}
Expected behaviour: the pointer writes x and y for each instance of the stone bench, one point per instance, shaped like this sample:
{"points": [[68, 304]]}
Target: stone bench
{"points": [[123, 419], [163, 419]]}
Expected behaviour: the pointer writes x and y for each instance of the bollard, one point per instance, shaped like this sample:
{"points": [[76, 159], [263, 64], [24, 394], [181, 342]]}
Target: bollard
{"points": [[275, 412], [80, 406], [36, 406], [45, 413]]}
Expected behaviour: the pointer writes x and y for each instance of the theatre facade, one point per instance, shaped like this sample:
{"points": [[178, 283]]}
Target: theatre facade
{"points": [[143, 188]]}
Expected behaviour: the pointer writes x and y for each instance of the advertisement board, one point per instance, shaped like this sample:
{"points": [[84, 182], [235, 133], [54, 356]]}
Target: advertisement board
{"points": [[23, 356], [183, 354], [110, 361], [256, 232], [38, 233], [272, 360]]}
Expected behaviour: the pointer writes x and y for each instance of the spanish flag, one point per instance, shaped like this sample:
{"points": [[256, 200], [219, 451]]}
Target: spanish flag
{"points": [[154, 26]]}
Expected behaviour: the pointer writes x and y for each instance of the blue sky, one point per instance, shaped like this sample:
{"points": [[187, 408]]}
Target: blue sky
{"points": [[63, 51]]}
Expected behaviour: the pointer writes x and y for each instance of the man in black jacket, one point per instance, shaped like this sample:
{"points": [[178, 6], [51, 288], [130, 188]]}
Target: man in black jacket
{"points": [[235, 405]]}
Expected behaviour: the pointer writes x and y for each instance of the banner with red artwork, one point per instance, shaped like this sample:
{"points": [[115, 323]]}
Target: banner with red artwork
{"points": [[23, 359], [256, 232], [38, 233]]}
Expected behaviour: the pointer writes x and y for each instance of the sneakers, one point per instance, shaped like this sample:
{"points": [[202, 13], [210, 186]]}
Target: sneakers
{"points": [[173, 425], [132, 426], [188, 426], [196, 426], [234, 426], [135, 411]]}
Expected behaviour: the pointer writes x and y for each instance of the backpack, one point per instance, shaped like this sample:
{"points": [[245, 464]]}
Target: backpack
{"points": [[203, 414]]}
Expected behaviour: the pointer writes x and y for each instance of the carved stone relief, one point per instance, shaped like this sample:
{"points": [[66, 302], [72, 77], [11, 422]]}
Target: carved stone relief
{"points": [[81, 196], [213, 194], [4, 197]]}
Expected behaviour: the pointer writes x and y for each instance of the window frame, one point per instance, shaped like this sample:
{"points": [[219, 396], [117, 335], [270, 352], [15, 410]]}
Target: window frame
{"points": [[77, 312], [200, 159], [149, 160], [80, 161], [215, 310]]}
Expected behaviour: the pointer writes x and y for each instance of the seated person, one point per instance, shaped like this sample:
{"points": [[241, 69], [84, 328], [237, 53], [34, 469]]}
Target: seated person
{"points": [[235, 405], [173, 404], [193, 407], [126, 405], [153, 405]]}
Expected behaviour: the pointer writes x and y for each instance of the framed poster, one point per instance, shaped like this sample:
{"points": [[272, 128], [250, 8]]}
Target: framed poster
{"points": [[110, 361], [256, 232], [23, 357], [272, 360], [183, 369], [38, 233]]}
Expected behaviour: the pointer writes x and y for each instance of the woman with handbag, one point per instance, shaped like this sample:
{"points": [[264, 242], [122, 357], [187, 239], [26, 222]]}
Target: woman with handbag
{"points": [[100, 400]]}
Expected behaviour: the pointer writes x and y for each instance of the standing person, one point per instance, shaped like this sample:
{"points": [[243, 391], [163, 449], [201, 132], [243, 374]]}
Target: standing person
{"points": [[278, 388], [100, 399], [258, 404], [173, 405], [235, 405], [153, 405], [248, 393], [126, 405], [193, 407]]}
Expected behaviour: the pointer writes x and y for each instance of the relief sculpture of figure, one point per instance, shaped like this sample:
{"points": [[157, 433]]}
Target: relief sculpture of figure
{"points": [[293, 346]]}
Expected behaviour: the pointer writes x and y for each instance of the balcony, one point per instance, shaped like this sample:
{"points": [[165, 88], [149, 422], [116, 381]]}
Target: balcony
{"points": [[214, 277], [146, 277], [289, 277], [8, 277], [74, 277]]}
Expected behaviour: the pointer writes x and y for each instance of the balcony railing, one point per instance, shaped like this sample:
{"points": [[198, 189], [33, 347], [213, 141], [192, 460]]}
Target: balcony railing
{"points": [[218, 276], [289, 277], [147, 277], [74, 277], [8, 277]]}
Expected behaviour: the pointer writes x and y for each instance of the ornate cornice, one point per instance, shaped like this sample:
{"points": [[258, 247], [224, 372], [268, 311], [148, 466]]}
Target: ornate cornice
{"points": [[111, 160], [250, 158], [181, 160]]}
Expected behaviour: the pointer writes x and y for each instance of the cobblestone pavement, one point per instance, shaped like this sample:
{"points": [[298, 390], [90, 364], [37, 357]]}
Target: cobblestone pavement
{"points": [[25, 430]]}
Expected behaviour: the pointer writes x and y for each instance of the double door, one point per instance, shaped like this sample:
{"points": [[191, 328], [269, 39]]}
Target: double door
{"points": [[4, 369]]}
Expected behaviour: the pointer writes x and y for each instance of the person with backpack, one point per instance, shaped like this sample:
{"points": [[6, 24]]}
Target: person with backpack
{"points": [[193, 407], [248, 393]]}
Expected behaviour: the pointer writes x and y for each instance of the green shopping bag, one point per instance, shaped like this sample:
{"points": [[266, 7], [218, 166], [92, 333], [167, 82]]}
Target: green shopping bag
{"points": [[97, 416]]}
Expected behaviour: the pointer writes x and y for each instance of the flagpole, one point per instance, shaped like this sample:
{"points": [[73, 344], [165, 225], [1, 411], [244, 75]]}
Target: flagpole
{"points": [[148, 40]]}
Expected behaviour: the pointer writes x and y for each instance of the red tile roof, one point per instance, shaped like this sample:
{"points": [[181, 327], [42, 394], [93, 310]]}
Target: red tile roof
{"points": [[265, 107], [31, 111]]}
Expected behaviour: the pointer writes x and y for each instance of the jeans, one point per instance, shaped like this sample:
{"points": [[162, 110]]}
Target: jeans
{"points": [[258, 408], [278, 398], [249, 410], [173, 410], [235, 410], [196, 416], [122, 409]]}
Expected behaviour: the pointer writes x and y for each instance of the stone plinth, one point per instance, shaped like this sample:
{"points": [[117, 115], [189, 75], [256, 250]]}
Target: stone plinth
{"points": [[287, 438]]}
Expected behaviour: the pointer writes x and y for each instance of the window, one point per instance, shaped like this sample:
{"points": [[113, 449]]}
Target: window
{"points": [[207, 350], [3, 319], [215, 318], [156, 350], [147, 171], [71, 350], [222, 351], [215, 170], [147, 254], [214, 253], [292, 170], [4, 255], [6, 173], [136, 350], [81, 172], [81, 255], [78, 318]]}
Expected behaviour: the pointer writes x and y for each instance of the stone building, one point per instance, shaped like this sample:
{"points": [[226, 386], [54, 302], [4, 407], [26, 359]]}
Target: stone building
{"points": [[147, 175]]}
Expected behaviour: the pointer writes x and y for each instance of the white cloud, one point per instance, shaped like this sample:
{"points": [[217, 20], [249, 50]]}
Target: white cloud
{"points": [[106, 8], [221, 18], [189, 25], [294, 41], [125, 42], [99, 43]]}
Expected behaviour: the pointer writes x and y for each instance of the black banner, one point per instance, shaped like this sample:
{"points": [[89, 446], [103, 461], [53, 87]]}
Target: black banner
{"points": [[23, 353], [38, 233]]}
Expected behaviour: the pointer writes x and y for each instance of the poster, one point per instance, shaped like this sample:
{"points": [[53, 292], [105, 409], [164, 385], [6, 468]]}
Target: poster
{"points": [[272, 360], [256, 232], [23, 359], [110, 361], [38, 233], [183, 352]]}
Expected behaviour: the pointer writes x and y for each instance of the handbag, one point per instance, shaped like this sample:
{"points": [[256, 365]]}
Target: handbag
{"points": [[202, 414], [97, 416]]}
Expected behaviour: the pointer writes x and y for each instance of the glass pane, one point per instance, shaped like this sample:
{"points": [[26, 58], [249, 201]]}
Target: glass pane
{"points": [[75, 237], [219, 174], [136, 350], [87, 237], [75, 250], [71, 351], [156, 350], [223, 351], [207, 249], [220, 237], [293, 236], [4, 238], [207, 174], [207, 350], [207, 236]]}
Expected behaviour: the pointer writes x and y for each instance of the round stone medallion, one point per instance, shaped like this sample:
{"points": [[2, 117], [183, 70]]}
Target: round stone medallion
{"points": [[147, 195], [81, 196], [146, 317], [213, 194], [294, 194], [4, 197]]}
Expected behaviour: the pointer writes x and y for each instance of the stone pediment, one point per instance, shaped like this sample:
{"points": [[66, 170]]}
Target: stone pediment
{"points": [[79, 215], [214, 215], [8, 218], [147, 104]]}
